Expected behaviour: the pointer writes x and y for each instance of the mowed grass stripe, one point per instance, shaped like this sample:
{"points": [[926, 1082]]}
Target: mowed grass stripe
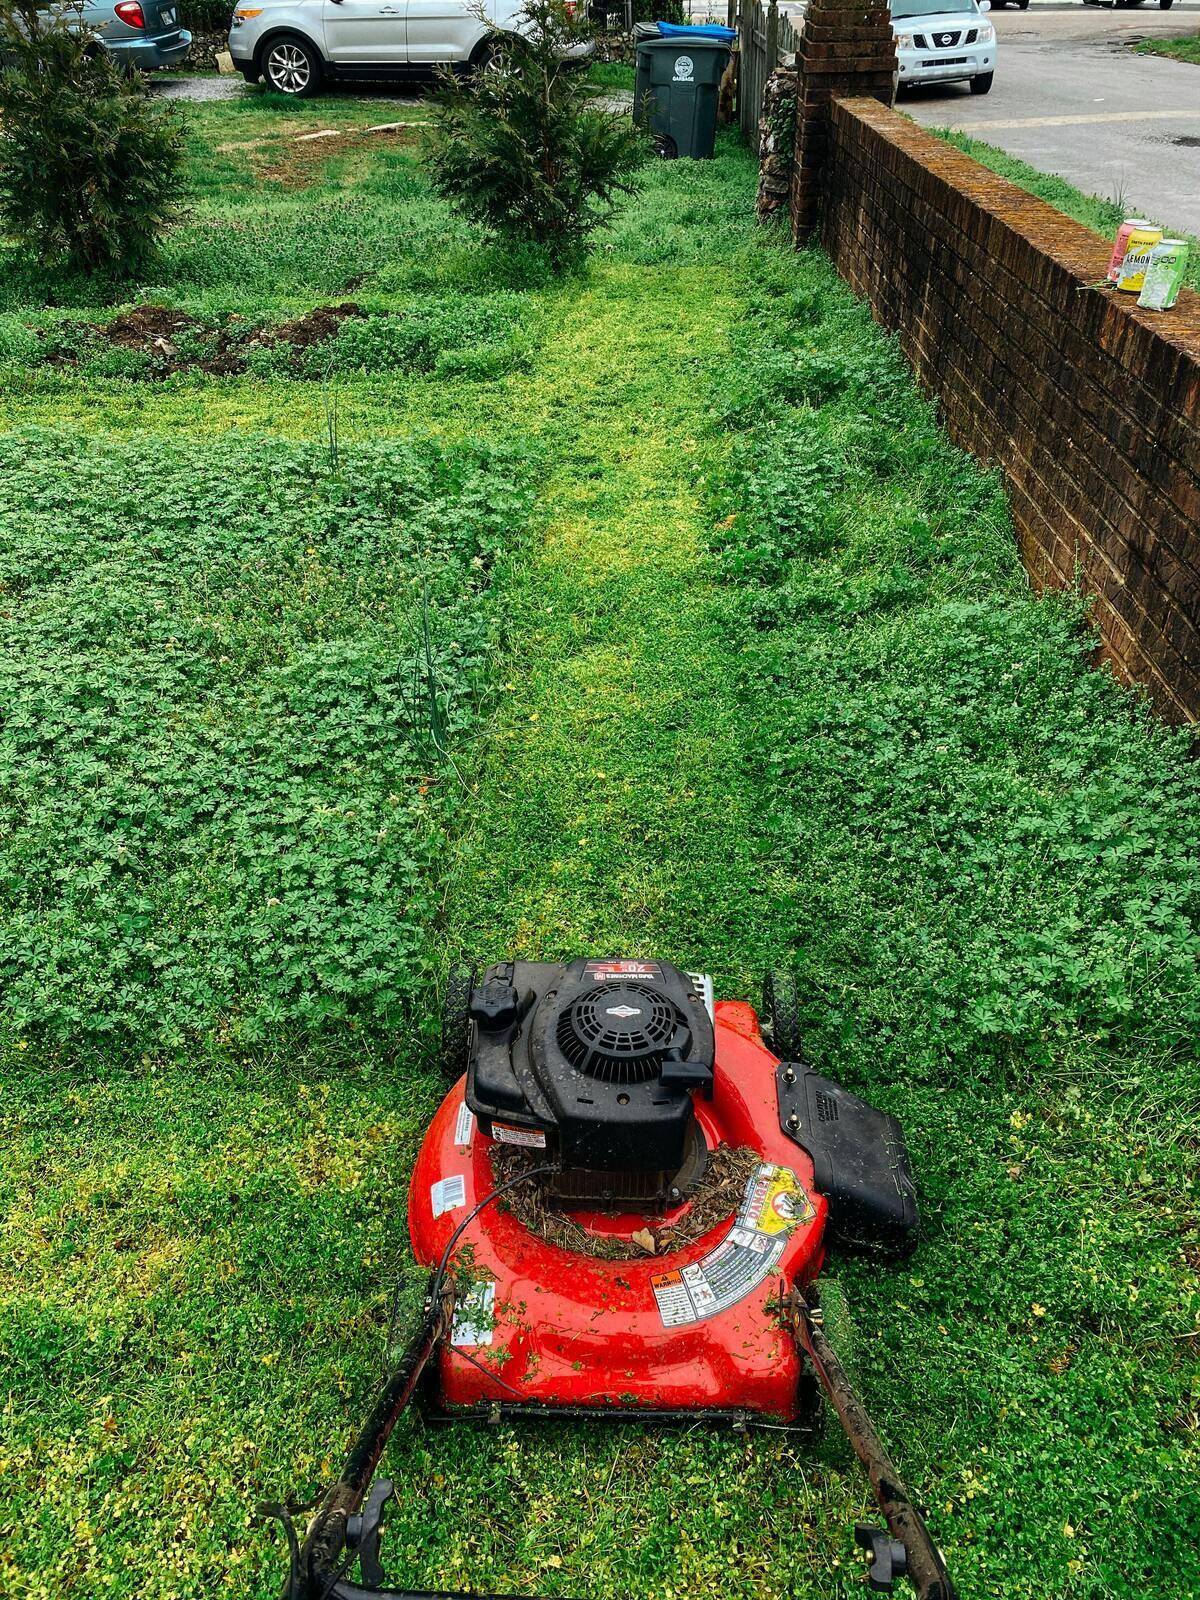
{"points": [[613, 793], [615, 814]]}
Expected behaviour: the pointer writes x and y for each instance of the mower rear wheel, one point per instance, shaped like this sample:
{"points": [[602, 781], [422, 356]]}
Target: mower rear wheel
{"points": [[780, 1018], [839, 1329], [456, 1022]]}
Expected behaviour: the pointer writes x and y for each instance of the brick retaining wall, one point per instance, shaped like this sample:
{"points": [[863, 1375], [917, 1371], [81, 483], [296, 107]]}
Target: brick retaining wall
{"points": [[1091, 406]]}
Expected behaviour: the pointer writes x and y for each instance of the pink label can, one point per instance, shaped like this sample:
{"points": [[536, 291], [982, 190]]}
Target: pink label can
{"points": [[1130, 225]]}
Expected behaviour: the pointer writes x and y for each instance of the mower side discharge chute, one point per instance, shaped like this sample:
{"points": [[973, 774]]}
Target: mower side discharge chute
{"points": [[670, 1187]]}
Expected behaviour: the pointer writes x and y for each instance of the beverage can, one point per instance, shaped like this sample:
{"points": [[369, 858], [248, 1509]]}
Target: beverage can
{"points": [[1132, 274], [1118, 255], [1164, 274]]}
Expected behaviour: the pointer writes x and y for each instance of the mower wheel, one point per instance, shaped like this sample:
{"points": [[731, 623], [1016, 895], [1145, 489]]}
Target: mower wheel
{"points": [[839, 1329], [456, 1022], [780, 1018]]}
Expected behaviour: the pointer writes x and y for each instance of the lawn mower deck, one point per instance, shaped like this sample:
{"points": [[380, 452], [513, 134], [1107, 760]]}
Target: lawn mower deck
{"points": [[624, 1200]]}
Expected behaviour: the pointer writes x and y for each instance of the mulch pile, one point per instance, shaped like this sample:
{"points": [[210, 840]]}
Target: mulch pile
{"points": [[314, 327], [715, 1199], [158, 331]]}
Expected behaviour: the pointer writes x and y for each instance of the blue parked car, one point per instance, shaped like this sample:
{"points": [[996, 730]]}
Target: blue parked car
{"points": [[137, 33]]}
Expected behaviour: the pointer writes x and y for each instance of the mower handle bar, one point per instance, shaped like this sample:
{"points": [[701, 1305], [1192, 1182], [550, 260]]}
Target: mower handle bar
{"points": [[342, 1590], [342, 1531], [921, 1561]]}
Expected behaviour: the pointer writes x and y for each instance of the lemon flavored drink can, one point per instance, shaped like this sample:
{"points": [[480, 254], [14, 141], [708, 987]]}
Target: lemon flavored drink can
{"points": [[1138, 246], [1164, 274], [1118, 255]]}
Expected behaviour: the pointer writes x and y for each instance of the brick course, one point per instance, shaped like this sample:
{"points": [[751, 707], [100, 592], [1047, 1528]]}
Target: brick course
{"points": [[1090, 405], [846, 49]]}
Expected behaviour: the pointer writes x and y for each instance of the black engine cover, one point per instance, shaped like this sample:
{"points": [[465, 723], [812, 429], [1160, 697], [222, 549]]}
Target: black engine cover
{"points": [[600, 1057]]}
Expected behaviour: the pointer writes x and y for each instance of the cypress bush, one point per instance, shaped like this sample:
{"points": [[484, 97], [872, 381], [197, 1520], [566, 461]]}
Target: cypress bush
{"points": [[520, 148], [89, 167]]}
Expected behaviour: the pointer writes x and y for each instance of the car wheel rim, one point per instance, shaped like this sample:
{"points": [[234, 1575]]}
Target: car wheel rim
{"points": [[288, 69]]}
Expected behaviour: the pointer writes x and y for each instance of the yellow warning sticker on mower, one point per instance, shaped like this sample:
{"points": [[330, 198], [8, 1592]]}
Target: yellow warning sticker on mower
{"points": [[774, 1203]]}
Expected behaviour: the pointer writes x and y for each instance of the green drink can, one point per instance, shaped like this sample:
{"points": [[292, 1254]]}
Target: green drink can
{"points": [[1164, 274]]}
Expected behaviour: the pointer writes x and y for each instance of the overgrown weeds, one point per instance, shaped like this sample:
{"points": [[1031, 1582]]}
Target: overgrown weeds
{"points": [[228, 699]]}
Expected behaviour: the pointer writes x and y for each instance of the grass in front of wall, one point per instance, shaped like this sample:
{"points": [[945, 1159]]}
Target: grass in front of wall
{"points": [[1102, 216], [1185, 48], [769, 689]]}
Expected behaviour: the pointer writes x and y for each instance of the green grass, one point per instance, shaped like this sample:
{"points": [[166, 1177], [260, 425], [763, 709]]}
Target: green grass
{"points": [[611, 75], [753, 678], [226, 772], [1102, 216], [1185, 48]]}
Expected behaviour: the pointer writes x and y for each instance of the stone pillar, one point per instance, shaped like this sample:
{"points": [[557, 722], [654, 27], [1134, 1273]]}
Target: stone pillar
{"points": [[776, 143], [845, 49]]}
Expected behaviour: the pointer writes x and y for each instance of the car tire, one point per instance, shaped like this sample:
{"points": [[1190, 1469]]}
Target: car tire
{"points": [[1022, 5], [1165, 5], [291, 66], [982, 83], [487, 57], [494, 53]]}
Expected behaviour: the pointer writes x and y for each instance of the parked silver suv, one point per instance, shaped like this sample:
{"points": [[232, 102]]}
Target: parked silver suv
{"points": [[296, 45]]}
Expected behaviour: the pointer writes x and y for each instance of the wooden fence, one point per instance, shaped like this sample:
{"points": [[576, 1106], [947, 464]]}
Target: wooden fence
{"points": [[765, 39]]}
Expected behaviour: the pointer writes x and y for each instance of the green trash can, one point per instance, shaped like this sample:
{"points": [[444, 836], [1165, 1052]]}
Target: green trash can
{"points": [[676, 86]]}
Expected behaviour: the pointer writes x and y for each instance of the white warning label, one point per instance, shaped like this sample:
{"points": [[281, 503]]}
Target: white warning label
{"points": [[474, 1314], [448, 1194], [774, 1204], [532, 1138], [464, 1126]]}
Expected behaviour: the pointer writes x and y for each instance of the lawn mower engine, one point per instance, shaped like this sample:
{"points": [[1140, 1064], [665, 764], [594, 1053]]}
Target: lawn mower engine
{"points": [[624, 1200]]}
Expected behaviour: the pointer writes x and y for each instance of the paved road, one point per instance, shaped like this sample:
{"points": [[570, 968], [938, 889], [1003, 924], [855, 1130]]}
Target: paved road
{"points": [[1071, 97]]}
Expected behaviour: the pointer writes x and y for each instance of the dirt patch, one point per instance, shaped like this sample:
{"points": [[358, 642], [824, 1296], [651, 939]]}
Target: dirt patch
{"points": [[148, 328], [302, 161], [717, 1197], [314, 327], [176, 342]]}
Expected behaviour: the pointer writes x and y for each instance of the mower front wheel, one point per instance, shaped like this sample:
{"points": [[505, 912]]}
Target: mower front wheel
{"points": [[456, 1022], [780, 1017]]}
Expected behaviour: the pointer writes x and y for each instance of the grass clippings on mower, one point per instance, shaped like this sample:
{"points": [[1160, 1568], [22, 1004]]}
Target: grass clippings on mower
{"points": [[715, 1199]]}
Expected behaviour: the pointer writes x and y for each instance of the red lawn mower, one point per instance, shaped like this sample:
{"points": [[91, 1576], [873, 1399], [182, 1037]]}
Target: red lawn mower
{"points": [[624, 1200]]}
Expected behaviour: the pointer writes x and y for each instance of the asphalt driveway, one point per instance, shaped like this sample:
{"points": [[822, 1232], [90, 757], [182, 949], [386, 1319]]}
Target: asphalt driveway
{"points": [[1072, 97]]}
